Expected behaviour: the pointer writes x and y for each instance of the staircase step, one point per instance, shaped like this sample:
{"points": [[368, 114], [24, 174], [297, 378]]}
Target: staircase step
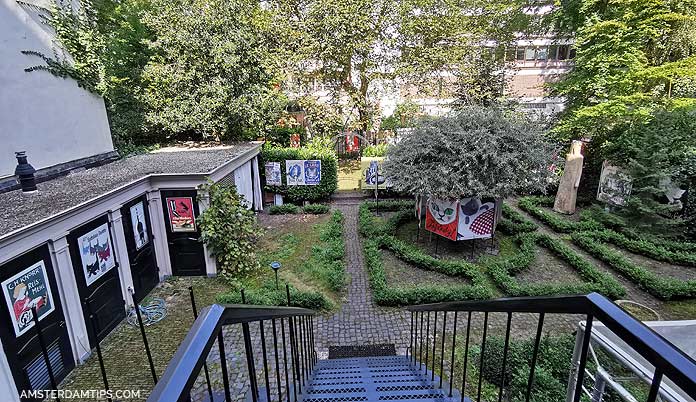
{"points": [[374, 379]]}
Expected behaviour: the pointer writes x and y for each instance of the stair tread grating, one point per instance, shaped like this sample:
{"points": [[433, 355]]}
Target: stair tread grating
{"points": [[373, 379]]}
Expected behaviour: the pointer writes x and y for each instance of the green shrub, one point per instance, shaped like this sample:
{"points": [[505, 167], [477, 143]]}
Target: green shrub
{"points": [[284, 209], [329, 255], [267, 295], [558, 223], [329, 172], [550, 374], [316, 209], [229, 230], [664, 288], [513, 222], [375, 150], [503, 272]]}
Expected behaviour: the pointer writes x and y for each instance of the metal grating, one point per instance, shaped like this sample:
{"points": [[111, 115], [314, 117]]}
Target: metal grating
{"points": [[341, 352], [373, 379]]}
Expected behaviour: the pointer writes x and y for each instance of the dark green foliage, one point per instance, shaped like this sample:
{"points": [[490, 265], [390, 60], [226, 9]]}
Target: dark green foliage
{"points": [[315, 209], [229, 230], [551, 371], [514, 223], [558, 223], [280, 136], [329, 172], [380, 236], [267, 295], [503, 272], [664, 288], [611, 228], [283, 209], [329, 255]]}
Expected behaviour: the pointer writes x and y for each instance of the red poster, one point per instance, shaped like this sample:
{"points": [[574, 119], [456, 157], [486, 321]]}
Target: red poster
{"points": [[181, 217], [441, 218]]}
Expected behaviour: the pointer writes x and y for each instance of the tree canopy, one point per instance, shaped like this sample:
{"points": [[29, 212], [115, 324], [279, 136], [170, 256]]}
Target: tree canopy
{"points": [[478, 152]]}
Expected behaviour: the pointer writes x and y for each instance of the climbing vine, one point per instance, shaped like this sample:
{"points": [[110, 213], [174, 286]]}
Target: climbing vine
{"points": [[79, 44]]}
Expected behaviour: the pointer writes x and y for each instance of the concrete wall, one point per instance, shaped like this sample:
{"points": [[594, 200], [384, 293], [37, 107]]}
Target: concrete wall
{"points": [[51, 118]]}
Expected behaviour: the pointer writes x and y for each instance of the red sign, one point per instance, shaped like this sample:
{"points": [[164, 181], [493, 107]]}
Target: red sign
{"points": [[441, 218], [181, 217], [295, 140], [352, 143]]}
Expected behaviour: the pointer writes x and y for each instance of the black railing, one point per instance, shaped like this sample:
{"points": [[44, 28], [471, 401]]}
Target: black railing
{"points": [[295, 350], [668, 361]]}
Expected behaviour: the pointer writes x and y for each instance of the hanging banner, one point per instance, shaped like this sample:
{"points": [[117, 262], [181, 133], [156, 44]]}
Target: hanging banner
{"points": [[294, 172], [372, 173], [140, 235], [181, 218], [441, 218], [312, 172], [29, 288], [476, 219], [95, 253], [614, 185], [273, 175]]}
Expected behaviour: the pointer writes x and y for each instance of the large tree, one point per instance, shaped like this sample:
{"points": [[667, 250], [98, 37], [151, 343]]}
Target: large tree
{"points": [[210, 73], [478, 152], [360, 48]]}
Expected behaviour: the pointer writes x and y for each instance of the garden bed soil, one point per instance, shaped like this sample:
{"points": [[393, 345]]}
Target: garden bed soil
{"points": [[269, 222], [548, 268], [401, 273], [439, 247], [660, 268]]}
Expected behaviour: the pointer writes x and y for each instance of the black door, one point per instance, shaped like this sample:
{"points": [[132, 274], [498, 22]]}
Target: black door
{"points": [[96, 273], [29, 281], [183, 234], [141, 253]]}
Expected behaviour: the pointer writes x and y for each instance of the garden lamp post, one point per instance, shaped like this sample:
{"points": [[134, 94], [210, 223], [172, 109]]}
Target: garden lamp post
{"points": [[275, 265]]}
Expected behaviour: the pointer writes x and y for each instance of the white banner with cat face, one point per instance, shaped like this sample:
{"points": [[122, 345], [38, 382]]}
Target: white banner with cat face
{"points": [[465, 219]]}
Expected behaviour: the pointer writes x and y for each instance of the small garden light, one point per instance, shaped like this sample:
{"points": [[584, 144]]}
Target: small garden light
{"points": [[276, 266]]}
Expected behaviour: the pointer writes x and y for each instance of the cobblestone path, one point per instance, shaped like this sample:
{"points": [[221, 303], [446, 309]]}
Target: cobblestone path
{"points": [[359, 321]]}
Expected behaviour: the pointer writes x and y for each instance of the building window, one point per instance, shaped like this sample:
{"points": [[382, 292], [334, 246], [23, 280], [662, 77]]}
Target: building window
{"points": [[563, 52], [529, 54], [542, 53], [520, 54]]}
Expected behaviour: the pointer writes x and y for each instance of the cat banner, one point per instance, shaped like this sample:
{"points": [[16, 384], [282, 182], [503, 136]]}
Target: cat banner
{"points": [[294, 173], [465, 219], [441, 217]]}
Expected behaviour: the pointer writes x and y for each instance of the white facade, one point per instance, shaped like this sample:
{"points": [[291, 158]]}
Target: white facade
{"points": [[51, 118]]}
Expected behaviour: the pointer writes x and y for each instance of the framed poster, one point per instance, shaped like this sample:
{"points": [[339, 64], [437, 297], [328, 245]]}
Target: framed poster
{"points": [[181, 218], [140, 235], [615, 185], [29, 288], [373, 174], [273, 176], [312, 173], [96, 253], [294, 172]]}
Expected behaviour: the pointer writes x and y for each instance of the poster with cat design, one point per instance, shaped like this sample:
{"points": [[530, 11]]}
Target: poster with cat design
{"points": [[441, 217], [476, 219]]}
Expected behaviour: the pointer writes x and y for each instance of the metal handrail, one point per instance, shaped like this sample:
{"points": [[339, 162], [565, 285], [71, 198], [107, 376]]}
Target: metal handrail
{"points": [[668, 360], [182, 371]]}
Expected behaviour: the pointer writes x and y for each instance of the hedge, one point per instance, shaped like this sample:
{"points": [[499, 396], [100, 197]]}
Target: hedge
{"points": [[611, 229], [283, 209], [380, 236], [514, 223], [386, 295], [664, 288], [503, 272], [267, 295], [329, 172], [331, 252]]}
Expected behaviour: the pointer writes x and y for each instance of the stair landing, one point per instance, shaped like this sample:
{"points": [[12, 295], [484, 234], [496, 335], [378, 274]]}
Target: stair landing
{"points": [[373, 379]]}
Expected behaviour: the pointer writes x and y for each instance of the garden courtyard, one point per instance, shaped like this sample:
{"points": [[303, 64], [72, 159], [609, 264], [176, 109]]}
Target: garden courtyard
{"points": [[380, 262]]}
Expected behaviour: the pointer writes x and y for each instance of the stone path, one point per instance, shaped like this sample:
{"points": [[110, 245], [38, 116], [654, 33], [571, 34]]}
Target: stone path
{"points": [[359, 321]]}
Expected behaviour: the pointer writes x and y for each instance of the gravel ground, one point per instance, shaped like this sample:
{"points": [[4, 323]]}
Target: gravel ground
{"points": [[54, 196]]}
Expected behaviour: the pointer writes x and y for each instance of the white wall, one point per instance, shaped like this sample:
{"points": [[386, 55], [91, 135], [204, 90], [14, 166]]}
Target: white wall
{"points": [[51, 118]]}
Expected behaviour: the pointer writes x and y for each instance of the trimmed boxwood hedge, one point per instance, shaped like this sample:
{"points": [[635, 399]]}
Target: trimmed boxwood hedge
{"points": [[664, 288], [609, 229], [513, 222], [329, 172], [503, 272]]}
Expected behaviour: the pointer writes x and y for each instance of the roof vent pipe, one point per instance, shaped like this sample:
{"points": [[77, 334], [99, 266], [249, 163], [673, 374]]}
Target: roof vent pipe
{"points": [[25, 172]]}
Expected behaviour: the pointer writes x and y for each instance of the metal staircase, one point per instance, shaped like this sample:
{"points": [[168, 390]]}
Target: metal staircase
{"points": [[373, 379], [289, 371]]}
